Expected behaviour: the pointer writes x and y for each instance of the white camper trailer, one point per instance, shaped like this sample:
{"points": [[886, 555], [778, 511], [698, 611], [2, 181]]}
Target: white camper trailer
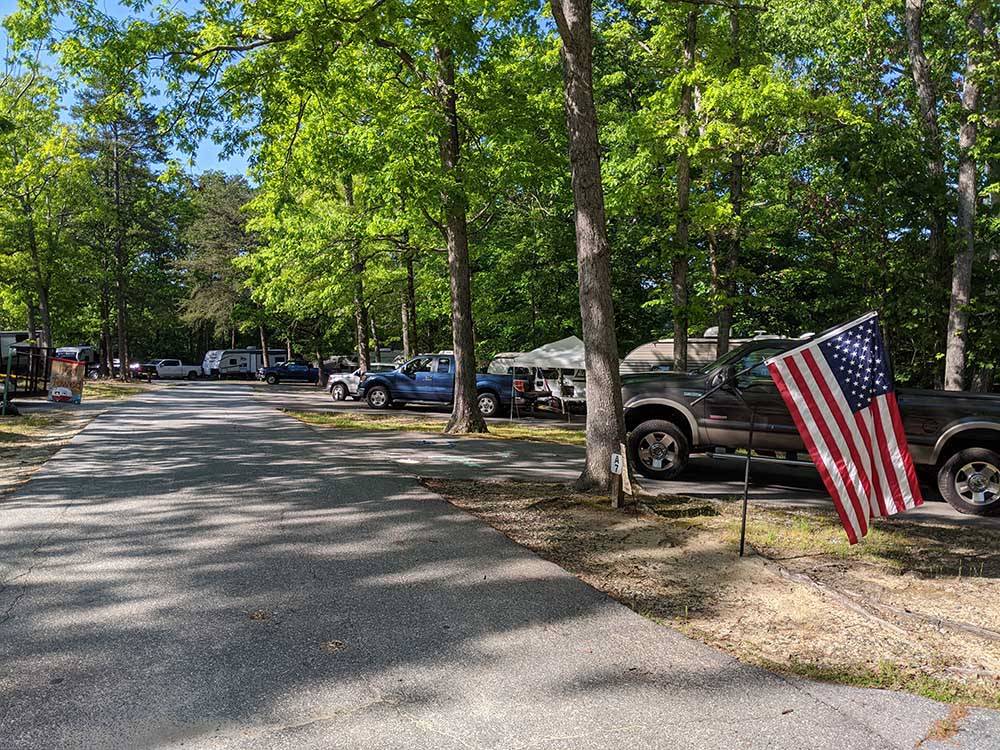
{"points": [[238, 363], [659, 354]]}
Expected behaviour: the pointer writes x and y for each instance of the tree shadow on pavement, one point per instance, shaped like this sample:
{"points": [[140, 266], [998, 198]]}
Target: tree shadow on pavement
{"points": [[200, 570]]}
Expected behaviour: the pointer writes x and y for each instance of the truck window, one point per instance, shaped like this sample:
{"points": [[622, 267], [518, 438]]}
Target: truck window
{"points": [[444, 365], [422, 364], [755, 359]]}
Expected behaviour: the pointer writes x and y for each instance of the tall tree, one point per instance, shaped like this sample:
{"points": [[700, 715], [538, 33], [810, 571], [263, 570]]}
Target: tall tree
{"points": [[216, 236], [681, 250], [605, 425], [961, 282]]}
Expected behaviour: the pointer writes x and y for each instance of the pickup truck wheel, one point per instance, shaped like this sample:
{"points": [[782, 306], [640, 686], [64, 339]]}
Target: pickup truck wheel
{"points": [[192, 375], [970, 481], [489, 404], [658, 449], [338, 392], [378, 397], [272, 379]]}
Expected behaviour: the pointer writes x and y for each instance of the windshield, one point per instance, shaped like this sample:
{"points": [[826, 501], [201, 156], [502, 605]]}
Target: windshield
{"points": [[750, 357], [728, 358]]}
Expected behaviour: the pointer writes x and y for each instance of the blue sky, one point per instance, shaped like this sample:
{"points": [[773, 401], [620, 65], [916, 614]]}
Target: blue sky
{"points": [[208, 154]]}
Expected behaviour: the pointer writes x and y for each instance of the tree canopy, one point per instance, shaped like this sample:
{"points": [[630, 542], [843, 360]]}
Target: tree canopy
{"points": [[779, 167]]}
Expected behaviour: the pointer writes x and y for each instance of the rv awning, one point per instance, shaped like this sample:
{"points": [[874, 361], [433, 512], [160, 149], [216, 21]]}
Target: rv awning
{"points": [[565, 354]]}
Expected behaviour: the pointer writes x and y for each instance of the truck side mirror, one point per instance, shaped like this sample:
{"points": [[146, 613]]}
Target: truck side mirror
{"points": [[729, 376]]}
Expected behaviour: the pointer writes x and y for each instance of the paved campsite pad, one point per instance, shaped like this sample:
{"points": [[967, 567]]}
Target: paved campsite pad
{"points": [[917, 607], [233, 580]]}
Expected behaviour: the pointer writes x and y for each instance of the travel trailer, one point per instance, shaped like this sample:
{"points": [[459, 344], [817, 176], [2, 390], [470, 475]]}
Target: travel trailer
{"points": [[659, 355], [238, 363]]}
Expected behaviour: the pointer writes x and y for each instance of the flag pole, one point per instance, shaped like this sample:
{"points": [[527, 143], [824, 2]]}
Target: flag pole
{"points": [[746, 482], [731, 382]]}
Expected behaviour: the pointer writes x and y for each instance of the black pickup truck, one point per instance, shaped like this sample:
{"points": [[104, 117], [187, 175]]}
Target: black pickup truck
{"points": [[956, 435]]}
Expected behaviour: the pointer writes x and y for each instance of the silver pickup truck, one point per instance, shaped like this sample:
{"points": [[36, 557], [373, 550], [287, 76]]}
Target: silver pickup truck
{"points": [[954, 435], [345, 384]]}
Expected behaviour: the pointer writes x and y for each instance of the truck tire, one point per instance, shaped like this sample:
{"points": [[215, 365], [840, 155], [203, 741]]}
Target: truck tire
{"points": [[970, 481], [338, 392], [378, 397], [192, 375], [658, 449], [489, 404], [272, 379]]}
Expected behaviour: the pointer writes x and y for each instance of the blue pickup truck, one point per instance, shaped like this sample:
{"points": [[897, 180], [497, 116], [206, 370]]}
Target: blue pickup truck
{"points": [[431, 378], [288, 371]]}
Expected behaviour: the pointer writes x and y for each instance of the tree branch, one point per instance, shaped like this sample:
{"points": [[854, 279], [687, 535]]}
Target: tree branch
{"points": [[285, 36]]}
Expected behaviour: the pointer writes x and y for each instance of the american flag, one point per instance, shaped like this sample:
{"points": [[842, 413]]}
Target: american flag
{"points": [[838, 387]]}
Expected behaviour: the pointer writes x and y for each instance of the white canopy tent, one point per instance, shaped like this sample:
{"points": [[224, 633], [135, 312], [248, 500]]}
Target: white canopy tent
{"points": [[564, 354]]}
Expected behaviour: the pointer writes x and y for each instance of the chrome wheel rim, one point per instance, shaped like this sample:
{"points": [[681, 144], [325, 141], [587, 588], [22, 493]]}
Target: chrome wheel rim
{"points": [[487, 405], [377, 398], [658, 451], [338, 393], [978, 483]]}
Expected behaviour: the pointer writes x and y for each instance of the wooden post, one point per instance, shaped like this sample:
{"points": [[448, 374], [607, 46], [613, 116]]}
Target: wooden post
{"points": [[616, 491]]}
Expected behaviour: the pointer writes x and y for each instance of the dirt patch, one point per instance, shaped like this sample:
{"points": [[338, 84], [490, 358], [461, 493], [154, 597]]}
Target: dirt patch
{"points": [[28, 441], [946, 728], [913, 607]]}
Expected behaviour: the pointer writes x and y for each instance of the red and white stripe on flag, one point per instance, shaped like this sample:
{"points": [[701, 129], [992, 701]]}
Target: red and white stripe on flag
{"points": [[838, 388]]}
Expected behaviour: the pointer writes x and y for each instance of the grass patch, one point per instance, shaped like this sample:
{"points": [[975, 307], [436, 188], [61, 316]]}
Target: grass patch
{"points": [[888, 676], [14, 429], [112, 389], [400, 423], [925, 549]]}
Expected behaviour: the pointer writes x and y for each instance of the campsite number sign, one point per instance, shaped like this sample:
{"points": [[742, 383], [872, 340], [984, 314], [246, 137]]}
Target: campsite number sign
{"points": [[617, 463]]}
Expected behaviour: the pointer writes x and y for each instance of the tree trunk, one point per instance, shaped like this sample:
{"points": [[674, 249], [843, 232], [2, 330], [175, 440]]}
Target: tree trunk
{"points": [[404, 319], [107, 356], [927, 103], [288, 348], [375, 340], [727, 281], [121, 266], [32, 320], [411, 303], [679, 269], [465, 415], [961, 280], [360, 310], [360, 306], [41, 280], [605, 424], [264, 354]]}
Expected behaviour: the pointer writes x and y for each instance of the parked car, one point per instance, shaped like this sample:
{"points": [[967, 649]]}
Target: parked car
{"points": [[343, 385], [955, 434], [144, 369], [175, 368], [165, 369], [431, 378], [296, 372]]}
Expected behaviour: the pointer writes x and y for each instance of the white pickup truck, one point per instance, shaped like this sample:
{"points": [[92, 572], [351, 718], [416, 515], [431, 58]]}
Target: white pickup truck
{"points": [[172, 368]]}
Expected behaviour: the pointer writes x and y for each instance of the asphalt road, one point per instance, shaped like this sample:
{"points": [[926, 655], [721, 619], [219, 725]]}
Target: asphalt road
{"points": [[198, 571], [713, 477]]}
